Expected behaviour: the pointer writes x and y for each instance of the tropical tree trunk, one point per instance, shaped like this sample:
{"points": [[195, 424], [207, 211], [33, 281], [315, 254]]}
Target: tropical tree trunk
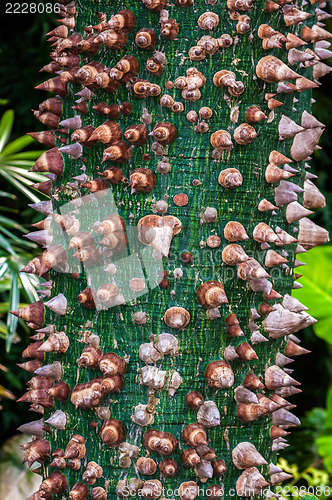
{"points": [[205, 151]]}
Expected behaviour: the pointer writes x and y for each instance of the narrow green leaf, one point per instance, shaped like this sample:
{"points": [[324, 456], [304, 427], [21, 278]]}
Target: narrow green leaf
{"points": [[6, 125], [25, 172], [17, 145], [21, 187], [3, 268], [25, 155], [10, 222], [25, 164], [13, 236], [14, 298], [28, 287], [6, 245], [29, 177]]}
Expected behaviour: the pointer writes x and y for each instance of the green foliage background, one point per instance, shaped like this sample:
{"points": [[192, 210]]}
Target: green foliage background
{"points": [[23, 52]]}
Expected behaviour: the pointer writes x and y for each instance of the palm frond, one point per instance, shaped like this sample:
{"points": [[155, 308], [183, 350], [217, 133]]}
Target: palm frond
{"points": [[15, 163]]}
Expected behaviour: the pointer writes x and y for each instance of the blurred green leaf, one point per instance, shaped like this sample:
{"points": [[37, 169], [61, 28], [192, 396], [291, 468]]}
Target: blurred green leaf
{"points": [[4, 194], [304, 482], [4, 393], [324, 442], [317, 289], [17, 481], [4, 306], [10, 209], [328, 419], [4, 285], [308, 497], [324, 445]]}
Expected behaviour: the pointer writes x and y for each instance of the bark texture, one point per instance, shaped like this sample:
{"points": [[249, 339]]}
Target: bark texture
{"points": [[189, 188]]}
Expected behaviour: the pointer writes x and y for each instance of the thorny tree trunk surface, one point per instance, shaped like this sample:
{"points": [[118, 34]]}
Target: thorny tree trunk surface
{"points": [[189, 186]]}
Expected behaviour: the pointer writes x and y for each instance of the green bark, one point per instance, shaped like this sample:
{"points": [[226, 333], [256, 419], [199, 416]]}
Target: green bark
{"points": [[203, 340]]}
